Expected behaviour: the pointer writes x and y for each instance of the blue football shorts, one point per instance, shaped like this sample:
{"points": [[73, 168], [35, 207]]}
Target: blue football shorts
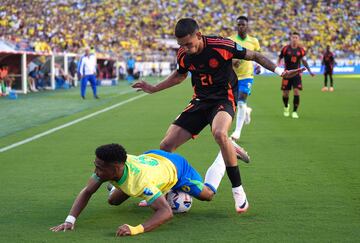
{"points": [[245, 85], [189, 180]]}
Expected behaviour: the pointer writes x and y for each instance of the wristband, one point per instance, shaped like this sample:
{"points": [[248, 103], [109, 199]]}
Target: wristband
{"points": [[136, 230], [278, 71], [70, 219]]}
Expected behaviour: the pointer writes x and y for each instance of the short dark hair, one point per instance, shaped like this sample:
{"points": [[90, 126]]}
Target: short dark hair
{"points": [[111, 153], [185, 26], [295, 33], [242, 17]]}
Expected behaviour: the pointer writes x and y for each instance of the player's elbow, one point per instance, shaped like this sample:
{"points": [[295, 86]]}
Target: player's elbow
{"points": [[169, 213], [166, 214], [180, 77]]}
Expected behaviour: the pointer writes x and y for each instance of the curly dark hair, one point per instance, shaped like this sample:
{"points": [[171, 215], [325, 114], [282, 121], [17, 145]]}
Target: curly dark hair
{"points": [[111, 153]]}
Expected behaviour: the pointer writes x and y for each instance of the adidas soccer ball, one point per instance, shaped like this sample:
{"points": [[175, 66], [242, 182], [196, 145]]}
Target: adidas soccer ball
{"points": [[180, 202]]}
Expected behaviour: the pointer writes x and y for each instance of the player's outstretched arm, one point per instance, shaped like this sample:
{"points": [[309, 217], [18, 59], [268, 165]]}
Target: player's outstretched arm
{"points": [[173, 79], [269, 65], [162, 214], [79, 204], [260, 59]]}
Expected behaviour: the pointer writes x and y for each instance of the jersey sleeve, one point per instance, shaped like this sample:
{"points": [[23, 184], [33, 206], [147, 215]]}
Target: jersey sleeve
{"points": [[282, 53], [303, 52], [182, 69], [238, 51]]}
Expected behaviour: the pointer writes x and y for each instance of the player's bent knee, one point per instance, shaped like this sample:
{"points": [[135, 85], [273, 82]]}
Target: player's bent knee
{"points": [[220, 136], [206, 194], [208, 197], [166, 146], [113, 201]]}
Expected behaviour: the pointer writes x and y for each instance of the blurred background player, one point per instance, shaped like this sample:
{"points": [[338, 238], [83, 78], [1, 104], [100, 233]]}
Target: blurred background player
{"points": [[130, 64], [292, 55], [328, 61], [6, 81], [149, 176], [244, 71], [87, 72]]}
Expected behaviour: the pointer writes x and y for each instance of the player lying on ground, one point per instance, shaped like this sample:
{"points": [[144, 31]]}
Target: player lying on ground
{"points": [[148, 176]]}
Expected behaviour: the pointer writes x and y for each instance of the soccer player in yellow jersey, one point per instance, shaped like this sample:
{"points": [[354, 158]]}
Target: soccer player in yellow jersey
{"points": [[245, 73], [148, 176]]}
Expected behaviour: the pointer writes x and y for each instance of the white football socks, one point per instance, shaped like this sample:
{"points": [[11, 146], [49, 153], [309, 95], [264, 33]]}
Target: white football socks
{"points": [[215, 172], [240, 118]]}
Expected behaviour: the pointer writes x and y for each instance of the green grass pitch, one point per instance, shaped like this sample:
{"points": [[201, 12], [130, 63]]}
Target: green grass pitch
{"points": [[303, 183]]}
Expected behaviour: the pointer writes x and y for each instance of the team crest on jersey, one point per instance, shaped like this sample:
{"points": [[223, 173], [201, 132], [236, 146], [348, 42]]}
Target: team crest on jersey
{"points": [[185, 188], [213, 63], [238, 47], [148, 192]]}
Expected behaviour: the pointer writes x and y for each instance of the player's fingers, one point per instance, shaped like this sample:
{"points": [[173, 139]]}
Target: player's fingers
{"points": [[125, 233], [119, 231], [56, 228], [59, 228], [138, 84], [135, 85]]}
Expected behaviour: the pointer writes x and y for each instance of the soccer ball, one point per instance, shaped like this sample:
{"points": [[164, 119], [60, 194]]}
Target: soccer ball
{"points": [[180, 202]]}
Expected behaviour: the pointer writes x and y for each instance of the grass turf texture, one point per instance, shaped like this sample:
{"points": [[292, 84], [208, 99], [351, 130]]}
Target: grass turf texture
{"points": [[303, 182]]}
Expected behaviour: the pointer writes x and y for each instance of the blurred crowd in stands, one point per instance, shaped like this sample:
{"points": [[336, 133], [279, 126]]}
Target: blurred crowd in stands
{"points": [[136, 26]]}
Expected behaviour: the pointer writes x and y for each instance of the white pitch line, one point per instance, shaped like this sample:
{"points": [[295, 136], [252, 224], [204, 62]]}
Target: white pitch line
{"points": [[68, 124]]}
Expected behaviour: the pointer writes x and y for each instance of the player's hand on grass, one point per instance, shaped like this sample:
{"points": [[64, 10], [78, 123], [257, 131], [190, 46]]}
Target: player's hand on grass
{"points": [[291, 73], [63, 227], [123, 230], [144, 86]]}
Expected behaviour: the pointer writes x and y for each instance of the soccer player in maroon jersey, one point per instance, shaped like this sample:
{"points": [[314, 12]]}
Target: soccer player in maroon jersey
{"points": [[293, 54], [209, 59], [328, 61]]}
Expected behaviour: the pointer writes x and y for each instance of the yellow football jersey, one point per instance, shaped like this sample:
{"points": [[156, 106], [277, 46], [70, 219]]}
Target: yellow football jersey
{"points": [[147, 176], [246, 68]]}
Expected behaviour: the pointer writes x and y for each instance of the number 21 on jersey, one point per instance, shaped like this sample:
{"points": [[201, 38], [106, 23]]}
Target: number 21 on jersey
{"points": [[206, 79]]}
